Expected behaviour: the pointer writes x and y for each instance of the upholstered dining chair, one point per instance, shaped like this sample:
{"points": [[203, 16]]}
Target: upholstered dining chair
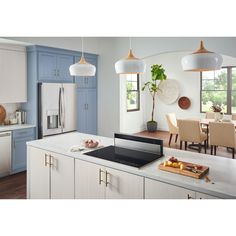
{"points": [[190, 131], [233, 116], [210, 115], [222, 134], [172, 124]]}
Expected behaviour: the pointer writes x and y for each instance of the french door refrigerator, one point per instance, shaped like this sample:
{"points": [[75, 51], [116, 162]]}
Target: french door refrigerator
{"points": [[57, 108]]}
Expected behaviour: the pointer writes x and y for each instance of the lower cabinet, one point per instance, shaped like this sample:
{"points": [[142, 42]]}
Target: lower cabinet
{"points": [[49, 175], [159, 190], [98, 182], [19, 139]]}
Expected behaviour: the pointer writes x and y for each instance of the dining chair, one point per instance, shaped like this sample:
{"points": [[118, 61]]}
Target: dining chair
{"points": [[233, 116], [210, 115], [172, 125], [190, 131], [222, 134]]}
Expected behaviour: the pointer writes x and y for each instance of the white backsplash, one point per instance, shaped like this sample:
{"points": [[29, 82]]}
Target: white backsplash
{"points": [[11, 107]]}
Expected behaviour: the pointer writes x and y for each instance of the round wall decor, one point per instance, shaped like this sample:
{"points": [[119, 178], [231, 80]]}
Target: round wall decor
{"points": [[169, 91], [2, 114], [184, 103]]}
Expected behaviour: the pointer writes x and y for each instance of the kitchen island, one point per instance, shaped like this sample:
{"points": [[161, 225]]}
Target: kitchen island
{"points": [[54, 172]]}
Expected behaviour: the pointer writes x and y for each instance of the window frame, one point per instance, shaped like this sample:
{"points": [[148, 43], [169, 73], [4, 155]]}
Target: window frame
{"points": [[138, 92], [228, 90]]}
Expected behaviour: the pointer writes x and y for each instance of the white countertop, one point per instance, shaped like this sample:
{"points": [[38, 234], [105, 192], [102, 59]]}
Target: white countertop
{"points": [[14, 127], [222, 170]]}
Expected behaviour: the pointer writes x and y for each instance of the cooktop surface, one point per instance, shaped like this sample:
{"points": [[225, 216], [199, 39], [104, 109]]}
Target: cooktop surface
{"points": [[124, 156]]}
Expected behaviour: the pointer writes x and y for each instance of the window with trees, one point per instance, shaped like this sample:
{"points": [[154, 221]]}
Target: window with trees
{"points": [[219, 88], [133, 92]]}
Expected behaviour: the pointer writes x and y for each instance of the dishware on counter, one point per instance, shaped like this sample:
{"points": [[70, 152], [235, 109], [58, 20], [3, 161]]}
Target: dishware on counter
{"points": [[20, 117], [2, 114]]}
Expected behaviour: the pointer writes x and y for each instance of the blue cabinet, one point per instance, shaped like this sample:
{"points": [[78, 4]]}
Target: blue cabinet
{"points": [[19, 152], [87, 82], [54, 67], [87, 111]]}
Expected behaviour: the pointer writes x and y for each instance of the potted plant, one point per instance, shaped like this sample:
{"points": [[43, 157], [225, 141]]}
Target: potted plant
{"points": [[158, 74]]}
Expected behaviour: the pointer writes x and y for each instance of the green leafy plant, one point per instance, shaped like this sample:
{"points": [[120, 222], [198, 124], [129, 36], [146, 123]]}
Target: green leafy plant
{"points": [[158, 75]]}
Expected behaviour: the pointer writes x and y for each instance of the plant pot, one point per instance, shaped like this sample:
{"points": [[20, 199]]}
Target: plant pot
{"points": [[152, 126]]}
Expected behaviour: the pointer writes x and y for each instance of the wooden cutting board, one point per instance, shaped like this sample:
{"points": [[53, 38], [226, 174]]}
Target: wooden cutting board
{"points": [[2, 114], [185, 172]]}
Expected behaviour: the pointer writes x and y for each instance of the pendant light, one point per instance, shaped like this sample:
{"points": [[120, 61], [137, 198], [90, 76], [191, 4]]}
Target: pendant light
{"points": [[202, 60], [82, 67], [130, 64]]}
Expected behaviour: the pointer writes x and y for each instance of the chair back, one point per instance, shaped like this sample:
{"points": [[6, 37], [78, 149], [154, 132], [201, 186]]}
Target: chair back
{"points": [[210, 115], [233, 116], [222, 134], [172, 123], [189, 130]]}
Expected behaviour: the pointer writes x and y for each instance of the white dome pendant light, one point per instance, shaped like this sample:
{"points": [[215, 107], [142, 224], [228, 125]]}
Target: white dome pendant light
{"points": [[82, 67], [202, 60], [130, 64]]}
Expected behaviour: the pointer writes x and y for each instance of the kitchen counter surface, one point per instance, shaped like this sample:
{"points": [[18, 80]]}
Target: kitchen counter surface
{"points": [[222, 170], [4, 128]]}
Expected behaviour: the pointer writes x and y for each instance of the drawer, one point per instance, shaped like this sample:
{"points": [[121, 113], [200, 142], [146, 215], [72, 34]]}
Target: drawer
{"points": [[21, 133]]}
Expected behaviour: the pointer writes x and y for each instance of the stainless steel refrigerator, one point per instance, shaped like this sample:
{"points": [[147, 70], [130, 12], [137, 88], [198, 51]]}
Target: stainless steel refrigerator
{"points": [[57, 108]]}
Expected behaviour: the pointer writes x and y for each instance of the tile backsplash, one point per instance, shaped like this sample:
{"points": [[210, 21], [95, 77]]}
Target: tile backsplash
{"points": [[11, 107]]}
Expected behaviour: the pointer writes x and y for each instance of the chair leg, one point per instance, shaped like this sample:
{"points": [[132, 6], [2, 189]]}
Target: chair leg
{"points": [[205, 146], [176, 138], [233, 151], [185, 145], [199, 147], [211, 149], [215, 150], [170, 139], [181, 143]]}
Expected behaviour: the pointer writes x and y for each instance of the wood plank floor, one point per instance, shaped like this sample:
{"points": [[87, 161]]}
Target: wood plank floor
{"points": [[221, 151], [13, 186]]}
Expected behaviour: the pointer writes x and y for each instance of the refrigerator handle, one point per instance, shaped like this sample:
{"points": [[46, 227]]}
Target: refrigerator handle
{"points": [[63, 108], [59, 107]]}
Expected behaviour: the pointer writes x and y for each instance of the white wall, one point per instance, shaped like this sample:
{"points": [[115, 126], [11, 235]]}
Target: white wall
{"points": [[189, 84]]}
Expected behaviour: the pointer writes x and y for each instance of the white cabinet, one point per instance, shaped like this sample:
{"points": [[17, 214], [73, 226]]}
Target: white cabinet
{"points": [[49, 175], [13, 74], [159, 190], [204, 196], [94, 181]]}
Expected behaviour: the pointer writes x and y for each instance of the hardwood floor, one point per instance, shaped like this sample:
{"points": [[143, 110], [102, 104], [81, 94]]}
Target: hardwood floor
{"points": [[221, 151], [13, 186]]}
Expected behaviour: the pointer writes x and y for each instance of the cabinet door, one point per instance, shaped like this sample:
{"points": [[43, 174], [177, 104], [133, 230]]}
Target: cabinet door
{"points": [[89, 180], [38, 174], [91, 110], [159, 190], [204, 196], [81, 110], [62, 177], [63, 64], [13, 83], [122, 185], [47, 67]]}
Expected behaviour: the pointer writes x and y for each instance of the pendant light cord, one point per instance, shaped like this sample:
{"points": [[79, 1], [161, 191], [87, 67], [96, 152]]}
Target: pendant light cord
{"points": [[130, 46], [82, 42]]}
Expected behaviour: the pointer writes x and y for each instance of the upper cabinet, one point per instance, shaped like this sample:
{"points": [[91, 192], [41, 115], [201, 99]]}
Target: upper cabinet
{"points": [[91, 81], [13, 85], [54, 67]]}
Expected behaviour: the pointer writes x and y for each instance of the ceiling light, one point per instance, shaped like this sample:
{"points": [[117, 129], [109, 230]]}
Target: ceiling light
{"points": [[82, 67], [202, 60], [130, 64]]}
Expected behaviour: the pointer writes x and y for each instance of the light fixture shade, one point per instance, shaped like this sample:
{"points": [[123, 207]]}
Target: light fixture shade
{"points": [[82, 68], [130, 65], [202, 60]]}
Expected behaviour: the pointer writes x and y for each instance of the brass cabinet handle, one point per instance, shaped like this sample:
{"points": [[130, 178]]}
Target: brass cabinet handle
{"points": [[100, 180], [51, 160], [107, 179]]}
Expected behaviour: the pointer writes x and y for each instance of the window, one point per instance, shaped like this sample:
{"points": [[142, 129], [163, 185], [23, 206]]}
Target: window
{"points": [[133, 93], [219, 88]]}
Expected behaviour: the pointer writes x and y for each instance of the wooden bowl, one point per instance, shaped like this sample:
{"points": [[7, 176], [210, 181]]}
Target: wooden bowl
{"points": [[184, 103]]}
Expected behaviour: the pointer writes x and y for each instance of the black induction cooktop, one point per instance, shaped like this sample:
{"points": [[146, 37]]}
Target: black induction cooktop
{"points": [[124, 156]]}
